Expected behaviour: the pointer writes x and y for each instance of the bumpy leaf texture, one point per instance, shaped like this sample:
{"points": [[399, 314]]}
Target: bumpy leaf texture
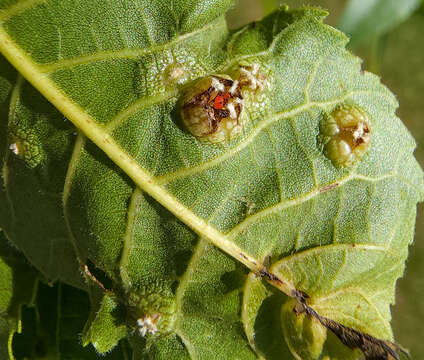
{"points": [[175, 236]]}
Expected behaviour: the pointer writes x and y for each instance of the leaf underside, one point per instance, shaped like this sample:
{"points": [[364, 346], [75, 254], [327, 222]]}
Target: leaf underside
{"points": [[112, 186]]}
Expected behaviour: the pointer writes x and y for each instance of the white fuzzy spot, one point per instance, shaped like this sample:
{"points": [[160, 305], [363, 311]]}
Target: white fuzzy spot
{"points": [[216, 84], [14, 148], [234, 87], [176, 73], [359, 132], [238, 101], [250, 77], [147, 324], [232, 110]]}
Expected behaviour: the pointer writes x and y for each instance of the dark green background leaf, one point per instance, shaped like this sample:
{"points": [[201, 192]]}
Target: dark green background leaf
{"points": [[32, 182], [18, 282], [53, 324]]}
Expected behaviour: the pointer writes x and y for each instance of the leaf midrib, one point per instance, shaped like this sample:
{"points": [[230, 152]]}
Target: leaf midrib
{"points": [[104, 141]]}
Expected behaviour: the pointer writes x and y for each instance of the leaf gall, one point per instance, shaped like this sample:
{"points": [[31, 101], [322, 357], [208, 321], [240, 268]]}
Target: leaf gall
{"points": [[346, 135], [211, 109]]}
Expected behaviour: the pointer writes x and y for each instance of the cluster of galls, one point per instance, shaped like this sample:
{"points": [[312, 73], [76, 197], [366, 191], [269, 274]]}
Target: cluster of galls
{"points": [[212, 108], [212, 111]]}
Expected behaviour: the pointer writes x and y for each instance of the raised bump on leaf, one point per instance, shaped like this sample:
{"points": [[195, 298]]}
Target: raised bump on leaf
{"points": [[153, 308], [306, 88], [175, 73], [26, 145], [346, 135], [304, 334], [212, 109]]}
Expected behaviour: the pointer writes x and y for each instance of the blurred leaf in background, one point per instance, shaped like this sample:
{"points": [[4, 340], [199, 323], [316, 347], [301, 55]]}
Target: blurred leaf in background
{"points": [[387, 34], [39, 321], [402, 59], [398, 57], [246, 11], [363, 20]]}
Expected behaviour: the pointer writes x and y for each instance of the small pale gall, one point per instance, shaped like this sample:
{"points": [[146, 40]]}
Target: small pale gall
{"points": [[346, 135]]}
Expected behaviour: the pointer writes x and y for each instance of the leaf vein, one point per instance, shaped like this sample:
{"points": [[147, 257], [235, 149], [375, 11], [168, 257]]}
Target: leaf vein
{"points": [[245, 142], [297, 201], [184, 281], [128, 236], [337, 215], [277, 168], [76, 153], [121, 53], [18, 8], [302, 147], [361, 294], [312, 78]]}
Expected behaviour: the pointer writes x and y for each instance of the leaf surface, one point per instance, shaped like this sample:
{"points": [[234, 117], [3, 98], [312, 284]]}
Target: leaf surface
{"points": [[35, 148], [144, 200]]}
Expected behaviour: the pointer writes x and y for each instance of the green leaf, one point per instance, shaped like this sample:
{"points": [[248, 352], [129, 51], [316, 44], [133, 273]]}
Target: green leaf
{"points": [[145, 201], [73, 307], [32, 177], [52, 326], [17, 284], [107, 328], [408, 82], [365, 20], [7, 79], [261, 317], [304, 334]]}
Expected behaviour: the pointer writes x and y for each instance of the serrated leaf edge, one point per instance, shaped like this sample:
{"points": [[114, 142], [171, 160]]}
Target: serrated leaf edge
{"points": [[84, 122]]}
